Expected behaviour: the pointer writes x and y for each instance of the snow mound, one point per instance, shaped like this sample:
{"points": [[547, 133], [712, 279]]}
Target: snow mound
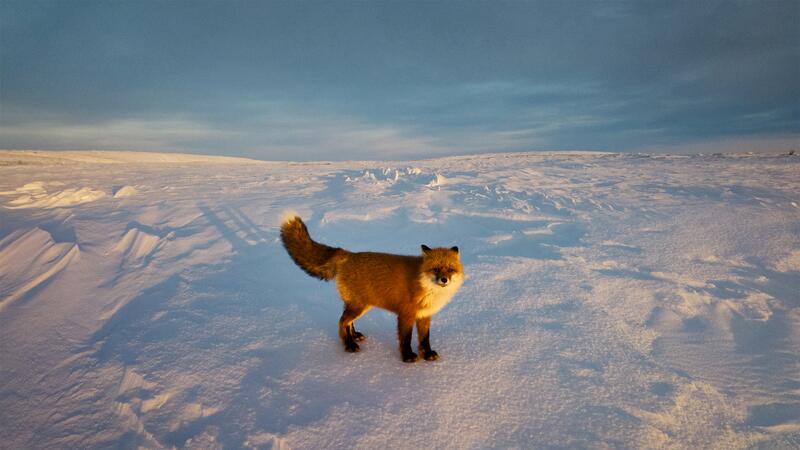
{"points": [[440, 180], [137, 246], [388, 176], [28, 260], [125, 191], [43, 195]]}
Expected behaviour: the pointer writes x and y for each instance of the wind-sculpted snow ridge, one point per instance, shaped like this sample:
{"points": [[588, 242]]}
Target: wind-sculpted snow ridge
{"points": [[125, 191], [29, 259], [50, 195], [137, 246], [625, 301]]}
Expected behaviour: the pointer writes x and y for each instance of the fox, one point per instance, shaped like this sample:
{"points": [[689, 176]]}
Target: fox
{"points": [[413, 287]]}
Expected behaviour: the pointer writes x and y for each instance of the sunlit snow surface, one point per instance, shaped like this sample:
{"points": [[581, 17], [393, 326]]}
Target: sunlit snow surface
{"points": [[619, 301]]}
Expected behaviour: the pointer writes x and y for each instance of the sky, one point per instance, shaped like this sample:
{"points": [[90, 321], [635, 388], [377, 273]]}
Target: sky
{"points": [[341, 80]]}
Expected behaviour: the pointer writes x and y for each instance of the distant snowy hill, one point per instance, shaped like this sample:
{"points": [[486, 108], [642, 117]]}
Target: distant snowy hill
{"points": [[623, 301]]}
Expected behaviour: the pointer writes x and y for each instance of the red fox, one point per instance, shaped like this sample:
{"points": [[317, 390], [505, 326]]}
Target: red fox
{"points": [[413, 287]]}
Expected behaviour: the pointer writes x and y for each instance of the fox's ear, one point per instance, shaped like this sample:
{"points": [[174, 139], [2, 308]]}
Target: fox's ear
{"points": [[425, 248], [454, 248]]}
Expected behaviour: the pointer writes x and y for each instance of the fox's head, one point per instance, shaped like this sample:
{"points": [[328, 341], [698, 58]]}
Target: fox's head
{"points": [[442, 266]]}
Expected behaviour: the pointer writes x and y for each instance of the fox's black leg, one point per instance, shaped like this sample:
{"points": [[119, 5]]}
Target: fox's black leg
{"points": [[424, 335], [357, 335], [346, 330], [405, 326]]}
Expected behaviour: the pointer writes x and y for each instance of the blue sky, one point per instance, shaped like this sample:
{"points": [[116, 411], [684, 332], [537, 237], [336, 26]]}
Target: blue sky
{"points": [[383, 80]]}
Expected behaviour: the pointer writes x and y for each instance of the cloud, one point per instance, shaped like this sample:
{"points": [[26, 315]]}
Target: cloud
{"points": [[784, 143], [336, 138], [459, 119], [314, 80], [162, 134], [268, 136]]}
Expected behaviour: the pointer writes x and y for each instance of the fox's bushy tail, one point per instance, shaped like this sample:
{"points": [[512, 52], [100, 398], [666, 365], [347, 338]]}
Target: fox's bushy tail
{"points": [[317, 260]]}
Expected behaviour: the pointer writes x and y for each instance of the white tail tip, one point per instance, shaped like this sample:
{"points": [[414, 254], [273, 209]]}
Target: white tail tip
{"points": [[288, 215]]}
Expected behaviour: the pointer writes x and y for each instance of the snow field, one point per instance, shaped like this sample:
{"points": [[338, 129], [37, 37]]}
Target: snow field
{"points": [[626, 301]]}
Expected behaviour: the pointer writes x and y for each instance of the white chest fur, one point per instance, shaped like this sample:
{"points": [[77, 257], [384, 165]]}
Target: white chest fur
{"points": [[435, 297]]}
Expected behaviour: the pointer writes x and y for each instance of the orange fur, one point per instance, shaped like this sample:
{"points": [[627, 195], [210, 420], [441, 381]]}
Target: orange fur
{"points": [[413, 287]]}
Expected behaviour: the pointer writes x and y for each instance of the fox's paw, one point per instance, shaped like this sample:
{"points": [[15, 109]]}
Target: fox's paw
{"points": [[430, 355], [358, 336], [351, 347], [410, 357]]}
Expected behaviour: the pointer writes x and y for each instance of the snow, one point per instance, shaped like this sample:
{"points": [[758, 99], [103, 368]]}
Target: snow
{"points": [[610, 300], [36, 195], [29, 259], [125, 191]]}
